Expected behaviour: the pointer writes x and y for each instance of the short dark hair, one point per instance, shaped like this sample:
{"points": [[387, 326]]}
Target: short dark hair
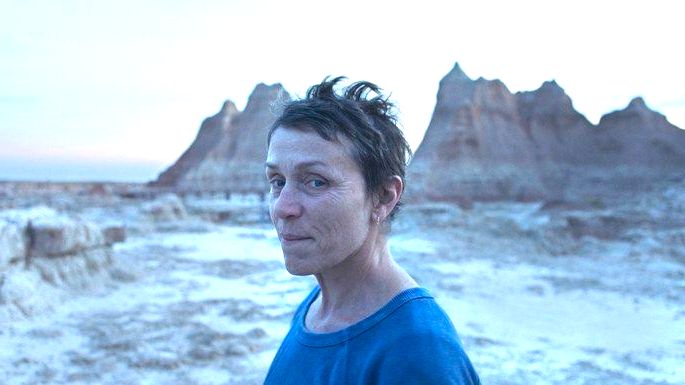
{"points": [[379, 147]]}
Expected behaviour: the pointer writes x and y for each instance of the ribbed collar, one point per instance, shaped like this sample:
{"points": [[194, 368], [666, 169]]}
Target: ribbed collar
{"points": [[329, 339]]}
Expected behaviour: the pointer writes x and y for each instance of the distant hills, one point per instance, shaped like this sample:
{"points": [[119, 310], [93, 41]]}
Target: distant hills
{"points": [[483, 143]]}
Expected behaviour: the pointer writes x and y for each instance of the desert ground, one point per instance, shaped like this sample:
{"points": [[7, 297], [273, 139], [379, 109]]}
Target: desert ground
{"points": [[590, 292]]}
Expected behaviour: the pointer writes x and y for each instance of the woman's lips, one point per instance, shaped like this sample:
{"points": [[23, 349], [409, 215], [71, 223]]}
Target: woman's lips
{"points": [[291, 238]]}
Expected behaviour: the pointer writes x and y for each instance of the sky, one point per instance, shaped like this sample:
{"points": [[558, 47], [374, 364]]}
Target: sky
{"points": [[116, 90]]}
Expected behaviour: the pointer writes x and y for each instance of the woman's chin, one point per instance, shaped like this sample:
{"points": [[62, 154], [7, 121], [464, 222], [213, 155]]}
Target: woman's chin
{"points": [[298, 267]]}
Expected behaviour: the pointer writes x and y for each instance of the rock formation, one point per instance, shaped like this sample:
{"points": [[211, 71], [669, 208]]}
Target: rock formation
{"points": [[640, 137], [168, 207], [485, 143], [41, 250], [229, 151], [212, 131]]}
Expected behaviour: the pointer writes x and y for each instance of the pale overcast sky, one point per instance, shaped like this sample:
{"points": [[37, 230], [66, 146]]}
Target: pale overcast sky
{"points": [[116, 90]]}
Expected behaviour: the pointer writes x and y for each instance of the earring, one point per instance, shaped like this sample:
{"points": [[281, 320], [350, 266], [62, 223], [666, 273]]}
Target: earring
{"points": [[377, 218]]}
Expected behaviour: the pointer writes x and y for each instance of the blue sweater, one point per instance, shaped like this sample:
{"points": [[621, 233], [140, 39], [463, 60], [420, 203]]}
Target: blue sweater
{"points": [[408, 341]]}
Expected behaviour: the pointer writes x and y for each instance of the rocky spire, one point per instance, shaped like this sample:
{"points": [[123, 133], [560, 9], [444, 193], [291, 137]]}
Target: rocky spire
{"points": [[473, 144], [485, 143], [456, 75], [637, 104], [637, 110], [212, 131], [228, 153], [638, 135]]}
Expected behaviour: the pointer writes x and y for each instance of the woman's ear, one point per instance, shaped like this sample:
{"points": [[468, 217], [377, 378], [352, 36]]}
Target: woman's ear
{"points": [[389, 195]]}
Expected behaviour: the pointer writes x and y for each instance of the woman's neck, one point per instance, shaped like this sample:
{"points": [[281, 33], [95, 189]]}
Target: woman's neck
{"points": [[355, 289]]}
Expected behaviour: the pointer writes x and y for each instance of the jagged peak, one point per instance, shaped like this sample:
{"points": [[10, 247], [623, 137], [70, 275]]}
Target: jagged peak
{"points": [[263, 87], [456, 74], [637, 104], [553, 86], [493, 85], [262, 90], [549, 90], [228, 108], [636, 107], [264, 93]]}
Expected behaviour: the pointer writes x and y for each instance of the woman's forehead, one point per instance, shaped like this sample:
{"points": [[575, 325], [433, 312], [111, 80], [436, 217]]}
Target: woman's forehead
{"points": [[306, 148]]}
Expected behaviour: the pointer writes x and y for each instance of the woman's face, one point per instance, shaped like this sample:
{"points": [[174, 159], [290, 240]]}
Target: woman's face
{"points": [[318, 201]]}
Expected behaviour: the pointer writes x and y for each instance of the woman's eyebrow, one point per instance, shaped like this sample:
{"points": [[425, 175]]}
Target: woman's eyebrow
{"points": [[311, 164], [300, 165]]}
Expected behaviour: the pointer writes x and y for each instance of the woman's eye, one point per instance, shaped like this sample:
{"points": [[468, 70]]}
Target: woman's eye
{"points": [[316, 183], [277, 184]]}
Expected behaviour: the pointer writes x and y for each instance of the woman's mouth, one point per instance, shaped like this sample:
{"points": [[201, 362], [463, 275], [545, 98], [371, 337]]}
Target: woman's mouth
{"points": [[293, 238]]}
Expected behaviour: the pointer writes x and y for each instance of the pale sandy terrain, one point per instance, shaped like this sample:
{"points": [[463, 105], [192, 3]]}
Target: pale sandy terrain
{"points": [[550, 294]]}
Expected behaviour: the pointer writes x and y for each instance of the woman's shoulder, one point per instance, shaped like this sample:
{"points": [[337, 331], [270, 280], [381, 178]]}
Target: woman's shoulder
{"points": [[421, 343], [420, 314]]}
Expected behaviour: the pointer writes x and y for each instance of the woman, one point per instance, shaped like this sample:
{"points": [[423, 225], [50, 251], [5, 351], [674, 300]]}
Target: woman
{"points": [[336, 165]]}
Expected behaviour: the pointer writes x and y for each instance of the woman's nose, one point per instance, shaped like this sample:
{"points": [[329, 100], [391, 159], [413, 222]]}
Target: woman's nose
{"points": [[287, 204]]}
